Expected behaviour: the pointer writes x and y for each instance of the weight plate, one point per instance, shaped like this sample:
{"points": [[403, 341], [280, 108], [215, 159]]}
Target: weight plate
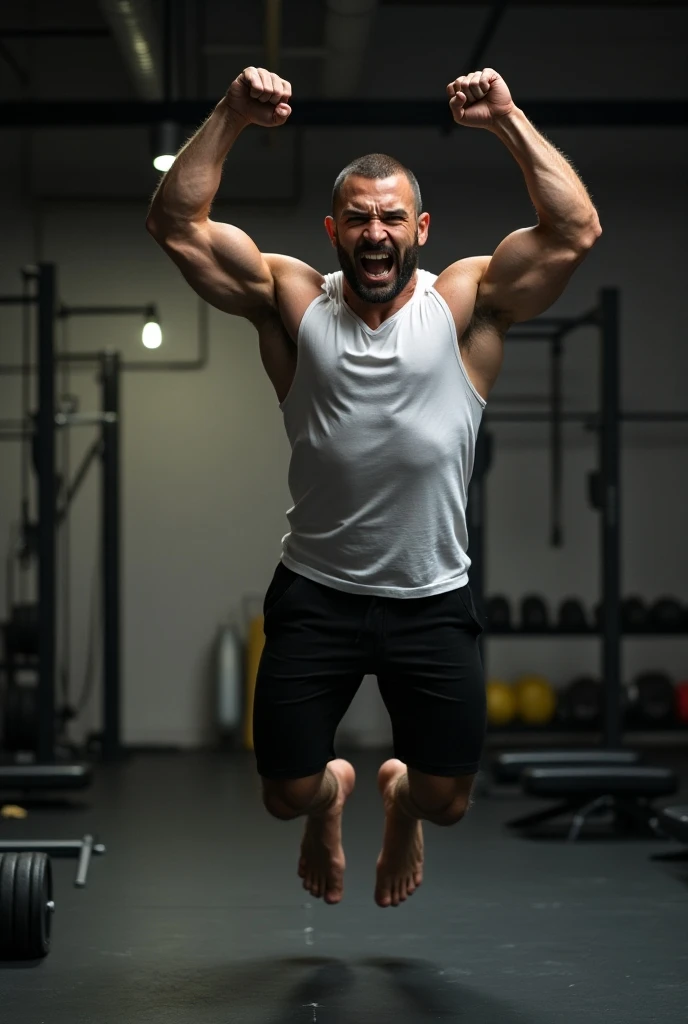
{"points": [[41, 912], [25, 892], [8, 863], [22, 906]]}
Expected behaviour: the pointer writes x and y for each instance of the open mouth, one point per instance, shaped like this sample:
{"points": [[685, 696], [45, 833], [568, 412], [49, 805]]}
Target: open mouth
{"points": [[377, 266]]}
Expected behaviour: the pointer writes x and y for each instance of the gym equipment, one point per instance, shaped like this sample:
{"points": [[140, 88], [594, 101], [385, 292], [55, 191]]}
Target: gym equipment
{"points": [[498, 613], [26, 905], [625, 791], [652, 700], [84, 849], [26, 902], [530, 677], [23, 777], [21, 631], [229, 671], [674, 821], [501, 702], [667, 615], [507, 767], [20, 721], [682, 702], [534, 614], [580, 704], [536, 700], [572, 617], [254, 649], [634, 614]]}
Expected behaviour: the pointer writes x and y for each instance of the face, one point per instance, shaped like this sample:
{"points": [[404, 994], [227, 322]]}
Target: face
{"points": [[377, 235]]}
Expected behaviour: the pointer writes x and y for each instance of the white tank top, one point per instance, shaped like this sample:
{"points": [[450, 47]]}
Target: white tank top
{"points": [[382, 426]]}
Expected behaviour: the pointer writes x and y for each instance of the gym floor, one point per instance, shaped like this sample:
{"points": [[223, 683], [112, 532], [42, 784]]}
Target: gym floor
{"points": [[195, 915]]}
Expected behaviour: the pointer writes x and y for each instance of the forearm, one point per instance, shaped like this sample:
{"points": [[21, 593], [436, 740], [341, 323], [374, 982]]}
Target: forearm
{"points": [[186, 192], [558, 194]]}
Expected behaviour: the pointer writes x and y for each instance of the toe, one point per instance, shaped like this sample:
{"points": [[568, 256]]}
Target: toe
{"points": [[383, 897]]}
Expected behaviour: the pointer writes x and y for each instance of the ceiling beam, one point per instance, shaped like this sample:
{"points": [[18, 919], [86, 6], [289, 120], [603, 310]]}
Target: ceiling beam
{"points": [[647, 4], [332, 113]]}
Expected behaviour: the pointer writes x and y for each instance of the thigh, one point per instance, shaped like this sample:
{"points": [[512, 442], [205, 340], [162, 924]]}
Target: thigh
{"points": [[307, 677], [432, 682]]}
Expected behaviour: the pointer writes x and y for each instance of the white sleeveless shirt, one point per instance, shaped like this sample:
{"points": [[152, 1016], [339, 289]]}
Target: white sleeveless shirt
{"points": [[382, 426]]}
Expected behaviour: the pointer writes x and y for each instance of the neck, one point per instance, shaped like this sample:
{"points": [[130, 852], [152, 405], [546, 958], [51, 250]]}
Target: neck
{"points": [[375, 313]]}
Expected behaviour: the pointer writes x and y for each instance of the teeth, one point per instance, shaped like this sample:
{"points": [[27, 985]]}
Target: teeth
{"points": [[375, 256]]}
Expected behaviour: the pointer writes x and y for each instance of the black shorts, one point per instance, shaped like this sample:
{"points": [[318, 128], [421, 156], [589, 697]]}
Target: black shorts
{"points": [[321, 642]]}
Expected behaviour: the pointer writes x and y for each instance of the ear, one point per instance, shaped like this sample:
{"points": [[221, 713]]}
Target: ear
{"points": [[331, 229], [423, 228]]}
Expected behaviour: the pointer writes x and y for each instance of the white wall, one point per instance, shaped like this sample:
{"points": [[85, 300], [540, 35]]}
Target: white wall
{"points": [[205, 457]]}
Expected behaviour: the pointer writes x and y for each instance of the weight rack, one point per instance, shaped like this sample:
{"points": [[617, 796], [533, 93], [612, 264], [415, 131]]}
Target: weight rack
{"points": [[604, 484], [107, 448]]}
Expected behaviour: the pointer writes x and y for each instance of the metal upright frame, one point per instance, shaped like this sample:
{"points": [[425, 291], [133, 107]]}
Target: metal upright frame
{"points": [[110, 511], [47, 513], [610, 540], [606, 420], [604, 484], [47, 422]]}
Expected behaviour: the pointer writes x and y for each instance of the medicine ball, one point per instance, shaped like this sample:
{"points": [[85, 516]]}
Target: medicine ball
{"points": [[572, 617], [580, 705], [534, 614], [652, 700], [634, 614], [536, 700], [498, 613], [667, 615], [501, 702], [682, 702]]}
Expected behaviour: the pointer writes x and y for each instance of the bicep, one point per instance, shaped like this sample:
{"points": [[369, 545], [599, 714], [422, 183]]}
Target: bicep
{"points": [[528, 271], [224, 266]]}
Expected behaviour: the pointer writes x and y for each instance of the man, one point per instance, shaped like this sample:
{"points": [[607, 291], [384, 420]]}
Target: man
{"points": [[382, 372]]}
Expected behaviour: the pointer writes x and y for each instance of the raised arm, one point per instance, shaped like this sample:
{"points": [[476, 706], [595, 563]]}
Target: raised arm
{"points": [[219, 261], [530, 268]]}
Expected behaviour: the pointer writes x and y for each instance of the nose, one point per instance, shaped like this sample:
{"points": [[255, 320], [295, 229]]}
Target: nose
{"points": [[375, 232]]}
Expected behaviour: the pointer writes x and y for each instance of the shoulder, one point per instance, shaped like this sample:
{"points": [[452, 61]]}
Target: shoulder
{"points": [[460, 286], [480, 329], [296, 285], [290, 272]]}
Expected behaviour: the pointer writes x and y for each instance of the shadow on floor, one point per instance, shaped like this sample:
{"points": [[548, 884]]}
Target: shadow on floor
{"points": [[303, 990]]}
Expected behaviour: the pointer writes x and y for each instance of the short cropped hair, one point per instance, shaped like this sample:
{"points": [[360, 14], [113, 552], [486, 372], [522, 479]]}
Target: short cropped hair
{"points": [[376, 165]]}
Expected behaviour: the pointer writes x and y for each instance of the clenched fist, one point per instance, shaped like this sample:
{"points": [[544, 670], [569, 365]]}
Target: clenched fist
{"points": [[478, 99], [260, 97]]}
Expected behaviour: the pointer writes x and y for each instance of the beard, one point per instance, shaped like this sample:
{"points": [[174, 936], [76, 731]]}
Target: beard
{"points": [[405, 269]]}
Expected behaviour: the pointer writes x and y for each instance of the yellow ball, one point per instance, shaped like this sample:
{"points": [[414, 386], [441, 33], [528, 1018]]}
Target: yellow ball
{"points": [[529, 677], [501, 702], [536, 700]]}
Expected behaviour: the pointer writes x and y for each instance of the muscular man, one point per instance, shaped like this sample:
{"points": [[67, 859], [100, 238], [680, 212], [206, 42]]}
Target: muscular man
{"points": [[382, 372]]}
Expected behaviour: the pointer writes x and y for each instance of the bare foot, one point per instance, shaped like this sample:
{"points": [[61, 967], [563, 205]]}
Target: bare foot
{"points": [[400, 864], [322, 860]]}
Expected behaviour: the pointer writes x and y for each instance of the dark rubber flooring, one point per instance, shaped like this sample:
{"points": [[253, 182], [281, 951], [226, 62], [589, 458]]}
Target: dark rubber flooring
{"points": [[196, 916]]}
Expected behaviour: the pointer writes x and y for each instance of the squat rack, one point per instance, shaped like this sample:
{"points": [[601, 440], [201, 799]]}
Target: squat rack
{"points": [[43, 534], [603, 485]]}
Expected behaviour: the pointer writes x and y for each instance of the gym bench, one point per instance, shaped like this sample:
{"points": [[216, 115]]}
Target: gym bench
{"points": [[588, 791]]}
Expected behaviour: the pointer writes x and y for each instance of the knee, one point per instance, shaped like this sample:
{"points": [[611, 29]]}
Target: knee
{"points": [[289, 798], [452, 813], [444, 803]]}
